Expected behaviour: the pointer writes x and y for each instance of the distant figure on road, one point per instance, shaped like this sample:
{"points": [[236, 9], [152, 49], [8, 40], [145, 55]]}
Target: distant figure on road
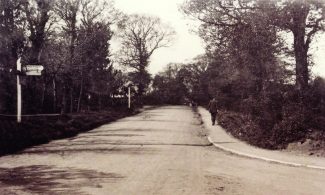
{"points": [[213, 110]]}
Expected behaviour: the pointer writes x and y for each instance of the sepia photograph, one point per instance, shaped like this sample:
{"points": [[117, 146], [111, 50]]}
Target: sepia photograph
{"points": [[162, 97]]}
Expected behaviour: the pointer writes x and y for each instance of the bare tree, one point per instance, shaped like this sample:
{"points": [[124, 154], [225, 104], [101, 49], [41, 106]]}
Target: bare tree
{"points": [[93, 11], [140, 37]]}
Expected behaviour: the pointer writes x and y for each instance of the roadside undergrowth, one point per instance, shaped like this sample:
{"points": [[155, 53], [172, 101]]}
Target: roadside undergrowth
{"points": [[34, 131], [248, 129]]}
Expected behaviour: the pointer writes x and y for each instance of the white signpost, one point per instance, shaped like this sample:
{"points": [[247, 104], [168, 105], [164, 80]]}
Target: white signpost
{"points": [[129, 98], [128, 85], [29, 70], [18, 92], [33, 70]]}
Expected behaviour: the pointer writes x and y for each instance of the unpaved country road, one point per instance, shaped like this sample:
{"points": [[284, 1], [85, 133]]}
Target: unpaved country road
{"points": [[160, 151]]}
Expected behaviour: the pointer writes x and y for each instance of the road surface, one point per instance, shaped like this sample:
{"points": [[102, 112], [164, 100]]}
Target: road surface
{"points": [[160, 151]]}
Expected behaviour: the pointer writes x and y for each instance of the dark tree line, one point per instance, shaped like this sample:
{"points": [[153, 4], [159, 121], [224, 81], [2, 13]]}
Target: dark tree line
{"points": [[247, 65], [181, 83], [262, 21], [72, 39]]}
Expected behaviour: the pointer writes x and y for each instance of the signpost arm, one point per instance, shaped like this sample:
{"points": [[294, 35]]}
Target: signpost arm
{"points": [[19, 102]]}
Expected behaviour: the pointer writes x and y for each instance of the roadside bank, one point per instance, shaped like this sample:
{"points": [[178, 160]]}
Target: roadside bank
{"points": [[43, 129], [223, 140]]}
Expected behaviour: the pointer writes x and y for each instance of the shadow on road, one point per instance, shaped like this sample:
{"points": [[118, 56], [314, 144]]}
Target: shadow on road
{"points": [[94, 149], [53, 180]]}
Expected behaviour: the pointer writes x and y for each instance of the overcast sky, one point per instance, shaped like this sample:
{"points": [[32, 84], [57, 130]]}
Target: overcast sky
{"points": [[188, 45], [318, 50], [185, 46]]}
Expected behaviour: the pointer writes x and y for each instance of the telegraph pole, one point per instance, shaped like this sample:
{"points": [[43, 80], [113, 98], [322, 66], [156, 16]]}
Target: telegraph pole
{"points": [[19, 102]]}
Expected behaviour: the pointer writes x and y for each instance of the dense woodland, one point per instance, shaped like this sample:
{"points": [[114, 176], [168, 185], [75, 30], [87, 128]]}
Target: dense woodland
{"points": [[248, 65], [72, 40], [251, 68]]}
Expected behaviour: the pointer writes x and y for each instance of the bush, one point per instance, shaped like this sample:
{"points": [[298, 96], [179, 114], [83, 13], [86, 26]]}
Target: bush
{"points": [[278, 116], [245, 128]]}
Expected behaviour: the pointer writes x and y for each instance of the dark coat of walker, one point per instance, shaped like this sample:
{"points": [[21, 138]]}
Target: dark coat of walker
{"points": [[213, 109]]}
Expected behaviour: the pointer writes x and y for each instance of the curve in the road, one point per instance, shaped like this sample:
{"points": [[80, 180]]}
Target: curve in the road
{"points": [[263, 158]]}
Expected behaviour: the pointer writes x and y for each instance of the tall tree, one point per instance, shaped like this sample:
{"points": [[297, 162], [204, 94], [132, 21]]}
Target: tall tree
{"points": [[68, 10], [93, 47], [195, 78], [37, 16], [87, 25], [140, 37], [93, 57], [12, 41], [303, 18]]}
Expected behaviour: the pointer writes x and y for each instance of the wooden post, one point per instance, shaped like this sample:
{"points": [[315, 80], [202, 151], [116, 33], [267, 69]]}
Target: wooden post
{"points": [[129, 97], [19, 102]]}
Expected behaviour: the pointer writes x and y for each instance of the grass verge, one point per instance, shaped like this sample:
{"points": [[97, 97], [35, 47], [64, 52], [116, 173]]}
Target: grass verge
{"points": [[34, 131]]}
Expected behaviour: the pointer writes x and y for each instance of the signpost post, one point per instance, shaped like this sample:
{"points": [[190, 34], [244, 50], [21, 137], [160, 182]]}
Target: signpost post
{"points": [[29, 70], [129, 97], [19, 103], [129, 85]]}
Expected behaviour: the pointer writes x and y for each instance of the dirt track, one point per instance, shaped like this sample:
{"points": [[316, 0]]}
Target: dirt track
{"points": [[160, 151]]}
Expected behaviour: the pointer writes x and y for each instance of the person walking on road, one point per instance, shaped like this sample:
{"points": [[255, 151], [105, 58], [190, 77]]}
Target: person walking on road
{"points": [[213, 110]]}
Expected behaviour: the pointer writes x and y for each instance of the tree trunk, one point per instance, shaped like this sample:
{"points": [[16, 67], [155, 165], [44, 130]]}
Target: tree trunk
{"points": [[54, 95], [302, 75], [73, 37], [141, 85], [71, 99], [64, 100], [88, 102], [80, 95], [43, 96], [300, 12]]}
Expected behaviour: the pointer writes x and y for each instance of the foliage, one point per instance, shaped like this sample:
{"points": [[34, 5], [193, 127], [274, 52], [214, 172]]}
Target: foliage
{"points": [[168, 86], [302, 18], [71, 39], [267, 101]]}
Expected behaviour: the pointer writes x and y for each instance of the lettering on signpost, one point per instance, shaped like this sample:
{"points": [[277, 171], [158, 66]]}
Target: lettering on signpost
{"points": [[33, 70]]}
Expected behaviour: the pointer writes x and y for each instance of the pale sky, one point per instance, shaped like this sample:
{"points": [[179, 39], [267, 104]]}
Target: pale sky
{"points": [[185, 46], [318, 51], [188, 45]]}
